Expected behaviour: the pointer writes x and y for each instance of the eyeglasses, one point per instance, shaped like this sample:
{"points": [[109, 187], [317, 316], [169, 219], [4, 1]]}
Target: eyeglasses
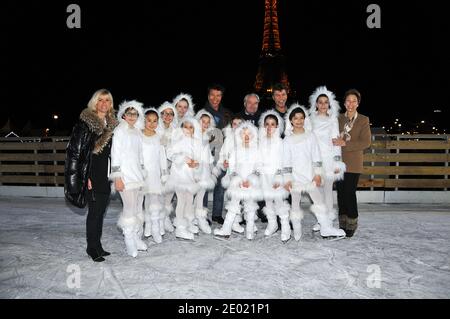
{"points": [[167, 114], [132, 114]]}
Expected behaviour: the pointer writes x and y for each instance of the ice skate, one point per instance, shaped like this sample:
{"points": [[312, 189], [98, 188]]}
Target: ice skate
{"points": [[326, 228], [201, 214], [272, 225], [236, 227], [296, 219]]}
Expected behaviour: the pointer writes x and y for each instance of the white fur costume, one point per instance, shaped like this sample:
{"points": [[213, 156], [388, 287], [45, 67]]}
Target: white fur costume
{"points": [[190, 112], [155, 164], [127, 163], [184, 179], [207, 180], [243, 164], [270, 169], [326, 128], [166, 140], [302, 161]]}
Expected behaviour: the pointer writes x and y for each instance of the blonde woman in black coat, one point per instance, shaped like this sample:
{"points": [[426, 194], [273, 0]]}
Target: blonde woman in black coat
{"points": [[86, 167]]}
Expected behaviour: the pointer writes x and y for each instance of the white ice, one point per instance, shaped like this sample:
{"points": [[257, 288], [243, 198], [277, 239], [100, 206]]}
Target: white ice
{"points": [[399, 251]]}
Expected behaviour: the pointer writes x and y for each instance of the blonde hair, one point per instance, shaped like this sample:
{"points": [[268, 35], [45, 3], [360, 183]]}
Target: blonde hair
{"points": [[92, 104]]}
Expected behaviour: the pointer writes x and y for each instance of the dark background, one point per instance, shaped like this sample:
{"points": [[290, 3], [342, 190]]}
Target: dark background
{"points": [[152, 50]]}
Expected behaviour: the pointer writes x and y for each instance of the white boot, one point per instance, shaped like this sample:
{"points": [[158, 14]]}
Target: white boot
{"points": [[168, 226], [140, 244], [250, 226], [181, 230], [148, 225], [130, 242], [236, 227], [272, 225], [296, 219], [232, 211], [284, 219], [200, 214], [326, 227], [128, 226], [161, 219]]}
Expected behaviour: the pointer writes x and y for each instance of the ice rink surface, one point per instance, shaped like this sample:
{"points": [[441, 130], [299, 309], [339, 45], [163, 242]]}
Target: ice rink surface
{"points": [[398, 251]]}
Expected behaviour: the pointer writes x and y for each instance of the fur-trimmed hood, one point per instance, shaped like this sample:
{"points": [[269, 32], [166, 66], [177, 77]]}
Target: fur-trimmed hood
{"points": [[202, 112], [262, 129], [254, 134], [190, 112], [135, 105], [96, 125], [167, 105], [178, 132], [333, 110], [288, 130]]}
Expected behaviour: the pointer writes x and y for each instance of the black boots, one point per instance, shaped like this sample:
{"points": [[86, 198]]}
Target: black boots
{"points": [[349, 225], [352, 225]]}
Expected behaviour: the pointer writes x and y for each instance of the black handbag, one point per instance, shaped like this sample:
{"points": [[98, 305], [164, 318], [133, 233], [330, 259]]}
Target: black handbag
{"points": [[77, 199]]}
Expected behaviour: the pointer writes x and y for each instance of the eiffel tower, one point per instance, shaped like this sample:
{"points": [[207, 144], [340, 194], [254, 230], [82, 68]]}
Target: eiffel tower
{"points": [[272, 62]]}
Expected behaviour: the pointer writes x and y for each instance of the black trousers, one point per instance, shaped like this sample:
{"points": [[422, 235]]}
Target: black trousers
{"points": [[97, 203], [346, 195]]}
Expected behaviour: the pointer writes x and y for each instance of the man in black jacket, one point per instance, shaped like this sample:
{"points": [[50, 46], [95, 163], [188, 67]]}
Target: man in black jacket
{"points": [[251, 109], [222, 116]]}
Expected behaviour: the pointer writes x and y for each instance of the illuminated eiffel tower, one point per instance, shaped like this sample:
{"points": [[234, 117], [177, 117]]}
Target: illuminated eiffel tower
{"points": [[272, 62]]}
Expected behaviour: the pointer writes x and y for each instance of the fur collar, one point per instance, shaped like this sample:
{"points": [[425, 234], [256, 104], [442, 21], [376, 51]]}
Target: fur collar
{"points": [[95, 125]]}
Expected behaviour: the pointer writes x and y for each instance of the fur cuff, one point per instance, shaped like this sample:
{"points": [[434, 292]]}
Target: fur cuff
{"points": [[342, 168], [296, 215]]}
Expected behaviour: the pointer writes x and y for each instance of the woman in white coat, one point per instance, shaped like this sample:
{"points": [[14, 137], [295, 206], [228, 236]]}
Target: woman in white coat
{"points": [[128, 174], [303, 170], [324, 112], [242, 181], [185, 154], [155, 164], [270, 167]]}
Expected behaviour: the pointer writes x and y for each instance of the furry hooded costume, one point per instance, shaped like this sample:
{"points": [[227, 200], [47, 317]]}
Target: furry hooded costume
{"points": [[301, 154], [166, 133], [190, 112], [127, 160], [182, 177], [326, 128]]}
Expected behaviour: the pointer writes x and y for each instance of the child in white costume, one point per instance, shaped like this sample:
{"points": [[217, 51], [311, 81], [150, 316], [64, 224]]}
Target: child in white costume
{"points": [[128, 174], [242, 181], [324, 112], [270, 168], [185, 153], [155, 164], [184, 106], [168, 120], [207, 180], [302, 171]]}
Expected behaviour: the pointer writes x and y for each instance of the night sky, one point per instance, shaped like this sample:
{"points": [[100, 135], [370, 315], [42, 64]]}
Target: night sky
{"points": [[151, 51]]}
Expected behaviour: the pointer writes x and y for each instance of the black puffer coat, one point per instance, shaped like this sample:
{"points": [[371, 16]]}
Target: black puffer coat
{"points": [[89, 136]]}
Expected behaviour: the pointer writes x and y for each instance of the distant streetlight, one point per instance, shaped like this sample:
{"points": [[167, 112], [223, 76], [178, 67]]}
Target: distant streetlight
{"points": [[55, 116], [422, 122], [399, 125]]}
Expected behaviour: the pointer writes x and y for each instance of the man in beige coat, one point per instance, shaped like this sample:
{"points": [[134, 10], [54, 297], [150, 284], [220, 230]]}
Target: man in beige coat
{"points": [[355, 137]]}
